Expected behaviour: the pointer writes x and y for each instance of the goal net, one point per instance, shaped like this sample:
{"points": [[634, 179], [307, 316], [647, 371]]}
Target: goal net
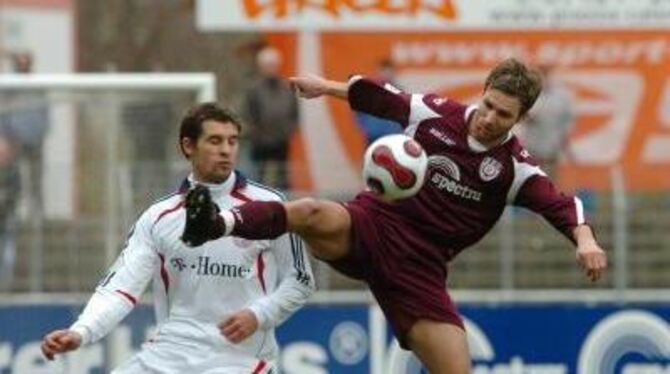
{"points": [[80, 156]]}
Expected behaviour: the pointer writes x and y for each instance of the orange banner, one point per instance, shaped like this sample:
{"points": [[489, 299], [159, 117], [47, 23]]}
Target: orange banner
{"points": [[619, 81], [254, 9]]}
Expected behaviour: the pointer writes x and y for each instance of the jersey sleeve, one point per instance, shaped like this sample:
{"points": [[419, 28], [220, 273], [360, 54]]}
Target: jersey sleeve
{"points": [[296, 283], [379, 99], [119, 290], [388, 102], [532, 189]]}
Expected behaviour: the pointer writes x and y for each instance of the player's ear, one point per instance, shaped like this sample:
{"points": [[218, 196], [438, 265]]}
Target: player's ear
{"points": [[187, 146]]}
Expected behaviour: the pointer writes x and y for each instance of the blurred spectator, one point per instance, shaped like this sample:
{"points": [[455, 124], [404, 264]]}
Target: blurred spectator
{"points": [[22, 62], [24, 120], [374, 127], [272, 114], [548, 124], [27, 116], [9, 196]]}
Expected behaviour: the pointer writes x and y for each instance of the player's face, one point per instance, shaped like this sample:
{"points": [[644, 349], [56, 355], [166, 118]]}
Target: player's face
{"points": [[214, 155], [495, 116]]}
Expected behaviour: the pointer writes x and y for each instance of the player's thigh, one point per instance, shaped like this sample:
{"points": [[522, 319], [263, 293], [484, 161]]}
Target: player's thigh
{"points": [[324, 225], [441, 347]]}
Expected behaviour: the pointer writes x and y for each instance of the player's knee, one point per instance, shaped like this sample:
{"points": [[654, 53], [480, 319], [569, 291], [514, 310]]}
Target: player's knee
{"points": [[442, 347]]}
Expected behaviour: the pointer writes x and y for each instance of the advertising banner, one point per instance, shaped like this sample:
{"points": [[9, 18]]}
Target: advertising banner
{"points": [[618, 82], [427, 14], [505, 338]]}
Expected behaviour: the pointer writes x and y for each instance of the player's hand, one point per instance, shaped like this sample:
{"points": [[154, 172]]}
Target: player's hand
{"points": [[309, 86], [239, 326], [203, 222], [592, 259], [60, 341]]}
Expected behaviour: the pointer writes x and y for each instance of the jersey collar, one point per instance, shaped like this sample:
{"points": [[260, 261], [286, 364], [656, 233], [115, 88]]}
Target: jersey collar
{"points": [[235, 181]]}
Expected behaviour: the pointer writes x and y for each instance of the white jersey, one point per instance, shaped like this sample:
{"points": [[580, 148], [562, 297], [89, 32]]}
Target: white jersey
{"points": [[194, 289]]}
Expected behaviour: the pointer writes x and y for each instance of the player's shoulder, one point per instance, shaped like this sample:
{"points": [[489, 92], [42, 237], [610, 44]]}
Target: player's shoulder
{"points": [[441, 104], [448, 115], [257, 191], [162, 207], [519, 153]]}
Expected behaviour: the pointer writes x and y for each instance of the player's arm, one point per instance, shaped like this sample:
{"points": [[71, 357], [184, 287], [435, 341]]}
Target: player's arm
{"points": [[532, 189], [365, 95], [114, 297], [313, 86], [590, 256], [296, 284]]}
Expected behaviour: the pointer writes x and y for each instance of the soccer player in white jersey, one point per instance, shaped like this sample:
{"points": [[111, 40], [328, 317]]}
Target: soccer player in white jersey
{"points": [[216, 305]]}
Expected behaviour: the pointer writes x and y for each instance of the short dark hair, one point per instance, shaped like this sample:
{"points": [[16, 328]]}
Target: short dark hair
{"points": [[514, 78], [191, 124]]}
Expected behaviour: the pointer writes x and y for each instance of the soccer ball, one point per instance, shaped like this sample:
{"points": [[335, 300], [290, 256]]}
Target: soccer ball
{"points": [[395, 167]]}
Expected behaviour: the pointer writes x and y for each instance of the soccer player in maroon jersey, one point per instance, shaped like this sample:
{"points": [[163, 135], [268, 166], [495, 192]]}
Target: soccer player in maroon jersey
{"points": [[476, 168]]}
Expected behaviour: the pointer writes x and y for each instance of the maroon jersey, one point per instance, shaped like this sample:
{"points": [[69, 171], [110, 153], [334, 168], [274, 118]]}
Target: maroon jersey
{"points": [[399, 248], [467, 185]]}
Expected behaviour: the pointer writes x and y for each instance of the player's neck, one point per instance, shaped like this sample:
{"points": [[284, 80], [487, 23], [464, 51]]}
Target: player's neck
{"points": [[478, 145], [214, 185]]}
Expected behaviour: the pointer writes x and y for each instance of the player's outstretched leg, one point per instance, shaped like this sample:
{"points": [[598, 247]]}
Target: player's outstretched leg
{"points": [[254, 220], [203, 223], [324, 225], [441, 347]]}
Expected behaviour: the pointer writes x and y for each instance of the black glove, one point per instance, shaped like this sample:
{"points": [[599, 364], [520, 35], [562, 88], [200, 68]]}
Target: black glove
{"points": [[203, 222]]}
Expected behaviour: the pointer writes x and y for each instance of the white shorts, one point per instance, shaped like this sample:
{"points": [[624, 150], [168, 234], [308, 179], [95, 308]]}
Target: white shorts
{"points": [[164, 359]]}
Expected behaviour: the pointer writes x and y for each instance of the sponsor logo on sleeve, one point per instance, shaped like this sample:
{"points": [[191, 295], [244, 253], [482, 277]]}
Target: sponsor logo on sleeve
{"points": [[439, 101], [392, 89], [442, 136]]}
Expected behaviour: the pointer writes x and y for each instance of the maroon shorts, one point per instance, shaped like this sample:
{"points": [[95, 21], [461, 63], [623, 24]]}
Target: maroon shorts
{"points": [[408, 284]]}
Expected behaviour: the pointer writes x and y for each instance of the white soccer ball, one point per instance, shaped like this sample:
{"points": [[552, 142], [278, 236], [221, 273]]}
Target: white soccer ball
{"points": [[395, 167]]}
